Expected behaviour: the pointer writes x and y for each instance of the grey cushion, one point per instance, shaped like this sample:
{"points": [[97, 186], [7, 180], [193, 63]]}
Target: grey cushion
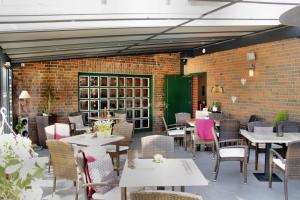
{"points": [[121, 116], [77, 120]]}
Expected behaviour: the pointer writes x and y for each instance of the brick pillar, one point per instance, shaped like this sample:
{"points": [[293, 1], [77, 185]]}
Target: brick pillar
{"points": [[195, 93]]}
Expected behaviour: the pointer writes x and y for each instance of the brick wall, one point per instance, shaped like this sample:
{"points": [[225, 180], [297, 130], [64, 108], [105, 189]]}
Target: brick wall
{"points": [[275, 86], [62, 75]]}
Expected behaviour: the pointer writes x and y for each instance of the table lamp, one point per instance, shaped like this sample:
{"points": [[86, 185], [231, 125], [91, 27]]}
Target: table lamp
{"points": [[23, 96]]}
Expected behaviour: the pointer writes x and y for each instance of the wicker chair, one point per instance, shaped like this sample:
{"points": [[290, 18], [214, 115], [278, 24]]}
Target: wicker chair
{"points": [[50, 134], [236, 152], [123, 129], [181, 120], [289, 127], [252, 118], [290, 167], [229, 129], [163, 195], [196, 140], [175, 131], [79, 123], [157, 144], [64, 163]]}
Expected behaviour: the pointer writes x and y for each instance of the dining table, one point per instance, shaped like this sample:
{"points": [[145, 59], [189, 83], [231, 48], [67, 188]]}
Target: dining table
{"points": [[192, 122], [86, 140], [168, 172], [268, 139]]}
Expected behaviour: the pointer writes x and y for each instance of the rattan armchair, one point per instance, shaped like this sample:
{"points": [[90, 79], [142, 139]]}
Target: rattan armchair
{"points": [[163, 195], [123, 129], [175, 131], [289, 127], [235, 152], [157, 144], [229, 129], [79, 122], [64, 163], [289, 166], [182, 118]]}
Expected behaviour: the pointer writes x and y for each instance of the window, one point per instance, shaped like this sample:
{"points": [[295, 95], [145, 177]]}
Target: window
{"points": [[112, 92]]}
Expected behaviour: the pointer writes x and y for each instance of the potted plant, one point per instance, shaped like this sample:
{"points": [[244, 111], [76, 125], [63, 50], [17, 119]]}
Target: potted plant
{"points": [[215, 106], [280, 117], [47, 117]]}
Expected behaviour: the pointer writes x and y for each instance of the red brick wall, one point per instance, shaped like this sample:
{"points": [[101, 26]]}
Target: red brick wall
{"points": [[195, 93], [275, 86], [63, 76]]}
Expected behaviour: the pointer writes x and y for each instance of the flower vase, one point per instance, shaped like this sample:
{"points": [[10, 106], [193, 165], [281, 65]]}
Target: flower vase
{"points": [[107, 133]]}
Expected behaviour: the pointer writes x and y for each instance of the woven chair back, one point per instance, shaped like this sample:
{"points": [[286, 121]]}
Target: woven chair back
{"points": [[63, 160], [123, 129], [157, 144], [182, 118], [293, 160], [229, 129], [163, 195]]}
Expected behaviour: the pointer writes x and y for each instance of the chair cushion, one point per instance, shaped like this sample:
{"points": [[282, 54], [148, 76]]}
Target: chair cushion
{"points": [[278, 162], [114, 193], [61, 130], [121, 116], [77, 120], [112, 148], [232, 152], [102, 171], [176, 132]]}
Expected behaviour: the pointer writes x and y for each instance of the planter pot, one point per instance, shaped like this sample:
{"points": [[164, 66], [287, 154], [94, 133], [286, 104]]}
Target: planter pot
{"points": [[41, 123], [214, 108]]}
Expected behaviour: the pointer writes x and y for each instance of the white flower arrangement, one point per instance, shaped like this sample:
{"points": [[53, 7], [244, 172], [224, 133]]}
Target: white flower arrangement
{"points": [[104, 127], [19, 166]]}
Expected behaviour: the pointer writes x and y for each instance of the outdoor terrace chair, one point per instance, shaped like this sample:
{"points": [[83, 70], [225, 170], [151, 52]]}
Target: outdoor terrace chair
{"points": [[175, 131], [289, 127], [64, 163], [289, 166], [235, 152], [229, 129], [163, 195], [181, 120], [56, 131], [157, 144], [198, 140], [78, 122], [122, 129], [251, 119]]}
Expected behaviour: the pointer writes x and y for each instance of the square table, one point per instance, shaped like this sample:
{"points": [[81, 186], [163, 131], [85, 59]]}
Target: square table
{"points": [[171, 172], [89, 140], [268, 139]]}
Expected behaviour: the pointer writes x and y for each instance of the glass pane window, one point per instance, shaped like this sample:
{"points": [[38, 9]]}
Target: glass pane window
{"points": [[137, 92], [137, 82], [104, 81], [129, 92], [84, 93], [84, 105], [113, 104], [103, 104], [103, 93], [129, 82], [94, 93], [113, 81], [121, 92], [94, 81], [94, 105], [122, 82], [84, 81], [113, 92]]}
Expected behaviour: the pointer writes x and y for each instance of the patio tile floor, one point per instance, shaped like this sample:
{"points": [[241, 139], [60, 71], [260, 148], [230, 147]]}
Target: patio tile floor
{"points": [[229, 185]]}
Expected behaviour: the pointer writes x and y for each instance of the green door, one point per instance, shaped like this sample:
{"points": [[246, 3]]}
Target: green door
{"points": [[178, 96]]}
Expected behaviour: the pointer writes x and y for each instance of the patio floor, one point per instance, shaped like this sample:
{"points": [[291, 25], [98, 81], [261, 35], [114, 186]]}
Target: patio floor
{"points": [[229, 185]]}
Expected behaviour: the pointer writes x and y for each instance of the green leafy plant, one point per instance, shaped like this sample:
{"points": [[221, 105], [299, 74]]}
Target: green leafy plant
{"points": [[281, 116], [50, 98], [19, 126], [216, 104]]}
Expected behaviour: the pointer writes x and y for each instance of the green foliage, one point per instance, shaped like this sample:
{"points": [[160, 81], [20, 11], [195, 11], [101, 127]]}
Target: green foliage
{"points": [[19, 126], [50, 98], [281, 116], [216, 104]]}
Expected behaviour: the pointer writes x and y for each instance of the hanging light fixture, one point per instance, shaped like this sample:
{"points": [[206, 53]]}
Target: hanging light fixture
{"points": [[251, 70]]}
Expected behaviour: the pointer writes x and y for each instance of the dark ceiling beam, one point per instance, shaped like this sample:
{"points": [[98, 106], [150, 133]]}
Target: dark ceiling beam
{"points": [[263, 37]]}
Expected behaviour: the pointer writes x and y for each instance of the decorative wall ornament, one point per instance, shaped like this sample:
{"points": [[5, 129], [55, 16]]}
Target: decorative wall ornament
{"points": [[233, 99], [243, 81], [217, 89]]}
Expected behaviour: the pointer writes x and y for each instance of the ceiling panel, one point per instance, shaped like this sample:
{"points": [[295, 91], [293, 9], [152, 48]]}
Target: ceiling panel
{"points": [[65, 52], [187, 29], [70, 41], [233, 22], [22, 27], [232, 34], [168, 45], [78, 33], [251, 11]]}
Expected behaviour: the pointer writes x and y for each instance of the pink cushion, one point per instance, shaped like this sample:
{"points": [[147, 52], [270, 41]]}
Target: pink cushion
{"points": [[204, 129], [90, 159], [59, 136]]}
